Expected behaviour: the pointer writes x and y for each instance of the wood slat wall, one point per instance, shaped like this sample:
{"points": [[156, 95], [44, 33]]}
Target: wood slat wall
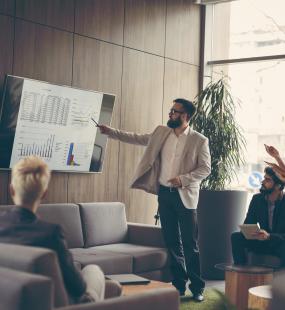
{"points": [[145, 52], [145, 25], [98, 65], [7, 7], [55, 13], [183, 31], [142, 95]]}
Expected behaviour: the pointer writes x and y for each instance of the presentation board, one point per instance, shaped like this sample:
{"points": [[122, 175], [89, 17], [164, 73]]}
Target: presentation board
{"points": [[55, 123]]}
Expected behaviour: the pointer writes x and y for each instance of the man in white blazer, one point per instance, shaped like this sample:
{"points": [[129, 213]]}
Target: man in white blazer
{"points": [[175, 161]]}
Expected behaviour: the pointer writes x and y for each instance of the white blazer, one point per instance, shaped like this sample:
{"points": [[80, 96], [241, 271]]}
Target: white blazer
{"points": [[194, 167]]}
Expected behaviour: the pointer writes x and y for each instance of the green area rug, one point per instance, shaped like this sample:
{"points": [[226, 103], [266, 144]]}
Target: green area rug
{"points": [[214, 300]]}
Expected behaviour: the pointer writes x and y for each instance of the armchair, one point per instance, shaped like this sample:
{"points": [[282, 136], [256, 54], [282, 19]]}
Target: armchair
{"points": [[30, 278]]}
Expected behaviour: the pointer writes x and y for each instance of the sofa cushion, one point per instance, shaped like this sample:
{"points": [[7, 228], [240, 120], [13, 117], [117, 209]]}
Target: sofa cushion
{"points": [[67, 215], [22, 290], [145, 258], [103, 223], [110, 263]]}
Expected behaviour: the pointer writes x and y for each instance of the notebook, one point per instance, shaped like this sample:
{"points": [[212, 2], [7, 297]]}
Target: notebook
{"points": [[249, 229]]}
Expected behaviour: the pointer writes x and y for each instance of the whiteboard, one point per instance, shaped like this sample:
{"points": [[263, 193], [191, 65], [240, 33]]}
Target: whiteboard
{"points": [[55, 123]]}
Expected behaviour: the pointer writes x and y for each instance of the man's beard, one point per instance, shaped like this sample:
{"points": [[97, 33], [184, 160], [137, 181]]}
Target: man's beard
{"points": [[266, 191], [174, 123]]}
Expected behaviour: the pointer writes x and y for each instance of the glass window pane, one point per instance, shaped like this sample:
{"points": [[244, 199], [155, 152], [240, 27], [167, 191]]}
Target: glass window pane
{"points": [[248, 28], [258, 87]]}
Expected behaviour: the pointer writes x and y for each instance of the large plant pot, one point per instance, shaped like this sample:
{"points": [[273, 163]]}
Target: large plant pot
{"points": [[219, 214]]}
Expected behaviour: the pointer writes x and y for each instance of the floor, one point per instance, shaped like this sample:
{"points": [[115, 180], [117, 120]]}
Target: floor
{"points": [[219, 285], [216, 284]]}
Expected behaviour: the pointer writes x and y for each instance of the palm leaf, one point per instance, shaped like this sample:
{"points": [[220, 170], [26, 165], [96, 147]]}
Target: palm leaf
{"points": [[215, 118]]}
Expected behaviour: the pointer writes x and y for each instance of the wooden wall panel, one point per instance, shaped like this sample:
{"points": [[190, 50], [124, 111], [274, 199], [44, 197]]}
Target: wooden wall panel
{"points": [[180, 81], [141, 112], [100, 19], [221, 32], [145, 25], [7, 7], [58, 188], [98, 66], [56, 13], [183, 31], [57, 191], [43, 53], [6, 55], [6, 47]]}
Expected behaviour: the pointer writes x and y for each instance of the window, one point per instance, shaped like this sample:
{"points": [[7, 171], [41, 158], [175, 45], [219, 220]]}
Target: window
{"points": [[248, 28], [248, 45]]}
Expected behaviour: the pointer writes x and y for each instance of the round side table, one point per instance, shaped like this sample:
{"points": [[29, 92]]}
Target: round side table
{"points": [[240, 278], [259, 297]]}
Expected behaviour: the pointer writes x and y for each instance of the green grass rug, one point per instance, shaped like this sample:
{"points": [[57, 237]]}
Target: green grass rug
{"points": [[214, 300]]}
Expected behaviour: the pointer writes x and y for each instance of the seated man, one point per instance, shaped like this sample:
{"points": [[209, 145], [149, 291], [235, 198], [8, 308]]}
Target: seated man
{"points": [[20, 225], [267, 209]]}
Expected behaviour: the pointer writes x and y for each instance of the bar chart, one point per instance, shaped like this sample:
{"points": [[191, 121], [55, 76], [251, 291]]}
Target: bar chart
{"points": [[70, 158], [43, 149]]}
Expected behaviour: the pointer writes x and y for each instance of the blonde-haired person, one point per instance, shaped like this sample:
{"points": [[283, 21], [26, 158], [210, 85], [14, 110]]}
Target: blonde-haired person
{"points": [[29, 184], [20, 225]]}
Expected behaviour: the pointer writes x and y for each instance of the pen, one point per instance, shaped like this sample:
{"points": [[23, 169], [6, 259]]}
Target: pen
{"points": [[95, 122]]}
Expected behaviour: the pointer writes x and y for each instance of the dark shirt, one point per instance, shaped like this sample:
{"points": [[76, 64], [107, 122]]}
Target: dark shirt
{"points": [[21, 226], [258, 212]]}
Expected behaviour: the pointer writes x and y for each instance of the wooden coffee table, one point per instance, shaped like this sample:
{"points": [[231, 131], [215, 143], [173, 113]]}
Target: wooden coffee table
{"points": [[131, 289], [239, 279], [259, 297]]}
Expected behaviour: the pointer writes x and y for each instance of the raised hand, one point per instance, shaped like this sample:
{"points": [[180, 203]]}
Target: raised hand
{"points": [[272, 151], [280, 172]]}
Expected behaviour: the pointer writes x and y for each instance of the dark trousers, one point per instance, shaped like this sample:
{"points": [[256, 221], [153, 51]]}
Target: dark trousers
{"points": [[240, 245], [180, 232]]}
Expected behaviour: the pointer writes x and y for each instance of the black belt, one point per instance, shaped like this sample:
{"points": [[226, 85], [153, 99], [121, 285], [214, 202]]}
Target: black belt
{"points": [[169, 189]]}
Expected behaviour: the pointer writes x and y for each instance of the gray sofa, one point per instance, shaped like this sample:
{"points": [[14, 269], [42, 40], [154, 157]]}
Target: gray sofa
{"points": [[96, 233], [30, 279]]}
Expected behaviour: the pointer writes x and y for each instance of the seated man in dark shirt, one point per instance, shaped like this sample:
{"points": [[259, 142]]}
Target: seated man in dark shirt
{"points": [[20, 225], [267, 209]]}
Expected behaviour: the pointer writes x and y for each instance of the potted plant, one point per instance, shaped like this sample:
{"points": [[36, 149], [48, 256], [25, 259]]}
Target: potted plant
{"points": [[220, 210]]}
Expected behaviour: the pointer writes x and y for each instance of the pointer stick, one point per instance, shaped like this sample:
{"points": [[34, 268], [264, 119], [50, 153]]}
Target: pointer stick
{"points": [[95, 122]]}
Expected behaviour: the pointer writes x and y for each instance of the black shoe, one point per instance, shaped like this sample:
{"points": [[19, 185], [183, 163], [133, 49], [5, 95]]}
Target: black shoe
{"points": [[181, 291], [198, 297], [180, 287], [197, 293]]}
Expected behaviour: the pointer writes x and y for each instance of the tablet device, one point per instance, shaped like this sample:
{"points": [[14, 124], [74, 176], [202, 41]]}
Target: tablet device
{"points": [[249, 229], [128, 278]]}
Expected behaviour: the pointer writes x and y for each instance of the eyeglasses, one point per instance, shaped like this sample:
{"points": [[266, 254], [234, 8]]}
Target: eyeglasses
{"points": [[172, 111]]}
